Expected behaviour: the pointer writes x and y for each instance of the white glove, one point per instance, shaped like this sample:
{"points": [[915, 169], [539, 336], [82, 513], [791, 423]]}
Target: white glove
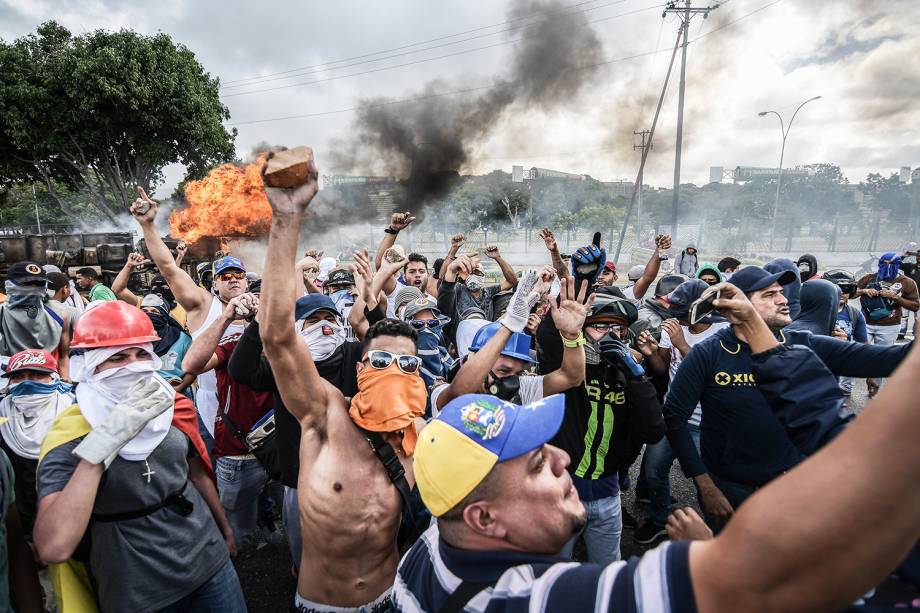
{"points": [[142, 402], [515, 317]]}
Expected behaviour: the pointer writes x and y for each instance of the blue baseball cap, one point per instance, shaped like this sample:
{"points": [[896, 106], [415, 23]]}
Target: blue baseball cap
{"points": [[684, 295], [753, 278], [226, 262], [311, 303], [473, 433], [518, 346]]}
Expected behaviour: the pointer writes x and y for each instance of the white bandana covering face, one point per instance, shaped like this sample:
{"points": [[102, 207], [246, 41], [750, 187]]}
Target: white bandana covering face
{"points": [[98, 393], [322, 337], [30, 418]]}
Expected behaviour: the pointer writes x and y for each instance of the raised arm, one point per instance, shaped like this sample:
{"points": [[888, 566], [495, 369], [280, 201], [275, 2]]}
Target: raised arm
{"points": [[303, 390], [181, 250], [469, 378], [549, 239], [456, 241], [569, 317], [398, 222], [366, 299], [800, 543], [200, 356], [510, 277], [383, 279], [471, 375], [662, 243], [187, 293], [120, 284]]}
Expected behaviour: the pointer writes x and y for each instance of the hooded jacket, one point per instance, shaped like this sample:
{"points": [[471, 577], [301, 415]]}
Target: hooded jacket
{"points": [[820, 300], [790, 291], [709, 267], [686, 263]]}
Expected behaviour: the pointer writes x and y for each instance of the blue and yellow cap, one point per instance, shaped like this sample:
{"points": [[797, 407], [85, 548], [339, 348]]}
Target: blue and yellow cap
{"points": [[226, 262], [472, 434]]}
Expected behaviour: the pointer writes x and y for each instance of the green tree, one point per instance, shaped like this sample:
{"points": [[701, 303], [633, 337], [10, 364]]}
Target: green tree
{"points": [[105, 111]]}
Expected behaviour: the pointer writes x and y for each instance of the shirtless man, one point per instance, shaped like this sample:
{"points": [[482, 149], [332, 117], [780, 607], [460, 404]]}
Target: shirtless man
{"points": [[349, 510], [201, 306]]}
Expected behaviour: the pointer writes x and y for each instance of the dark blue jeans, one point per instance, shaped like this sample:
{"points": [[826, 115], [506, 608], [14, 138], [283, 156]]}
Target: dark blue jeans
{"points": [[736, 493], [219, 594], [656, 469]]}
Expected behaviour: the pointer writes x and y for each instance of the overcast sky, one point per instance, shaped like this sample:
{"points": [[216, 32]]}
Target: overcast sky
{"points": [[863, 57]]}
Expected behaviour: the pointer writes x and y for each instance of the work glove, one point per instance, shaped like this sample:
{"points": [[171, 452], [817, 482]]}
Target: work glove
{"points": [[587, 261], [515, 317], [616, 353], [143, 402]]}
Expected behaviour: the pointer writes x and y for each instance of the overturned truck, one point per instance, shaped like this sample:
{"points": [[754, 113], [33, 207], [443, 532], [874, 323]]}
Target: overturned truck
{"points": [[106, 252]]}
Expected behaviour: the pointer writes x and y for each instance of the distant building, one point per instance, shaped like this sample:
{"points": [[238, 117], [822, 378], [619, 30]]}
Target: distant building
{"points": [[619, 188], [753, 173], [545, 173]]}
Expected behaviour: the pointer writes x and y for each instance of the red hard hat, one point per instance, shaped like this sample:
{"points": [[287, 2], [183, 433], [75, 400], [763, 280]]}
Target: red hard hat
{"points": [[112, 323]]}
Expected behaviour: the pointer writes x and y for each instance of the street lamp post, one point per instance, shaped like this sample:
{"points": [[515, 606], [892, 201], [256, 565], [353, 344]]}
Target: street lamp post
{"points": [[779, 176]]}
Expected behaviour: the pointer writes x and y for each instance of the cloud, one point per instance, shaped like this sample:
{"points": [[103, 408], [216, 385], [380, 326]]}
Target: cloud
{"points": [[864, 62]]}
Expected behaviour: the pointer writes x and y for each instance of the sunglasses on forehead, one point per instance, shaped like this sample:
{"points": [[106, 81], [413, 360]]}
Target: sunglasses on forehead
{"points": [[421, 324], [227, 276], [380, 359]]}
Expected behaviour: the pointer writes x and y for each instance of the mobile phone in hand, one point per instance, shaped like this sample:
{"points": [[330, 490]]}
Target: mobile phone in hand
{"points": [[703, 306]]}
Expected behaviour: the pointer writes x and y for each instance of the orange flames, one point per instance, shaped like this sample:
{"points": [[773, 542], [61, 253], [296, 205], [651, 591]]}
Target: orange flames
{"points": [[230, 201]]}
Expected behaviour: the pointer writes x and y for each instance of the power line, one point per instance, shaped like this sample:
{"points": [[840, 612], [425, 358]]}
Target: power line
{"points": [[734, 21], [426, 97], [472, 89], [261, 78], [415, 62]]}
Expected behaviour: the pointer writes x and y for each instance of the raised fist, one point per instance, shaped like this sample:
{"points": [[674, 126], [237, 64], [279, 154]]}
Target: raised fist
{"points": [[401, 221], [284, 200]]}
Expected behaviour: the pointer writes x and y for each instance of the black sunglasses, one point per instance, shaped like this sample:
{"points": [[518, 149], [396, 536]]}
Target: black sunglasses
{"points": [[379, 359], [421, 324]]}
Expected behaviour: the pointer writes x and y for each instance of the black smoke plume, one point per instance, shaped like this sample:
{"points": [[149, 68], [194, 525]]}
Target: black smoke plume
{"points": [[428, 142]]}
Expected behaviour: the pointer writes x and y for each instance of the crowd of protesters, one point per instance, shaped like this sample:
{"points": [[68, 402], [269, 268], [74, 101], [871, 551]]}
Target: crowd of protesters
{"points": [[434, 441]]}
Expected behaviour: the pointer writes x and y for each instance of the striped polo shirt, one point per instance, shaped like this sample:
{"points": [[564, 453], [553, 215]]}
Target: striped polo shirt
{"points": [[521, 582]]}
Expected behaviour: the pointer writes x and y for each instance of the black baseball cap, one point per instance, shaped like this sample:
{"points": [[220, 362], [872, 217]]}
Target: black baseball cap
{"points": [[752, 278], [340, 276], [27, 273]]}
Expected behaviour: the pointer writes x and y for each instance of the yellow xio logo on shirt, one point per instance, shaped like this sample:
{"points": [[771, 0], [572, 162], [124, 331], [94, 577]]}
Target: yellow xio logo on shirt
{"points": [[723, 378]]}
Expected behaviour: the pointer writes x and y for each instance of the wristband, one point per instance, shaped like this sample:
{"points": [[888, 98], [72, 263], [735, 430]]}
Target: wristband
{"points": [[391, 231], [573, 344]]}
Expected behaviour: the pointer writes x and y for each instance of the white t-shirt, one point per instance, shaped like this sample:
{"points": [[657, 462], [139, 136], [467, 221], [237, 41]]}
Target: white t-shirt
{"points": [[676, 357], [531, 390], [629, 293]]}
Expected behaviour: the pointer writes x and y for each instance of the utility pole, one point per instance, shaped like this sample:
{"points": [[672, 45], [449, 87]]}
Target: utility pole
{"points": [[686, 13], [645, 144]]}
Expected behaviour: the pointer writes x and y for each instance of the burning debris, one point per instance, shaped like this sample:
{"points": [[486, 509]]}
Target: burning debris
{"points": [[230, 201]]}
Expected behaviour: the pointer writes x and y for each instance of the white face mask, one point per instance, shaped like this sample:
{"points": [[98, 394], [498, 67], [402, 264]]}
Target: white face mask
{"points": [[323, 338], [475, 283], [116, 381]]}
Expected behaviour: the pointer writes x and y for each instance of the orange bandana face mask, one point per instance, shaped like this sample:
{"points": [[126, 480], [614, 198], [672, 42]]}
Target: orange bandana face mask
{"points": [[389, 400]]}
